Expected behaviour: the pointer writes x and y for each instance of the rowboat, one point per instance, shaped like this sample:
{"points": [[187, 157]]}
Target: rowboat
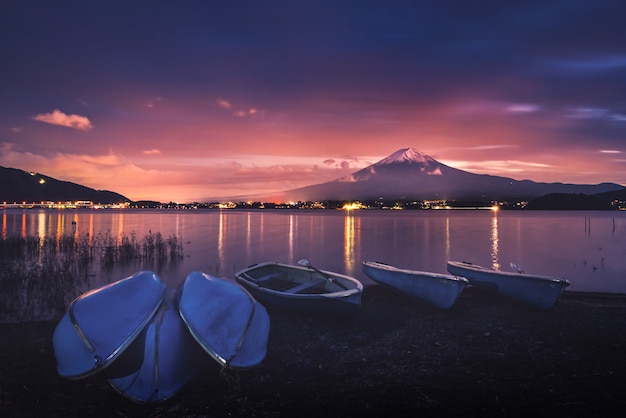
{"points": [[103, 323], [438, 290], [227, 322], [169, 360], [302, 287], [538, 291]]}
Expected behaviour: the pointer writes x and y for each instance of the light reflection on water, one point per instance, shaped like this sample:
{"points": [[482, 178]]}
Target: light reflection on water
{"points": [[587, 248], [495, 262], [349, 242], [292, 234]]}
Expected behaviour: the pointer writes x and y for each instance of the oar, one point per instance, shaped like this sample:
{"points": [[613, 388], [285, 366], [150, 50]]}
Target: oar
{"points": [[517, 268], [306, 263]]}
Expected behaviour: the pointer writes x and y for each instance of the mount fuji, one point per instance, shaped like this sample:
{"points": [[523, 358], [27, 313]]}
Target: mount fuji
{"points": [[410, 174]]}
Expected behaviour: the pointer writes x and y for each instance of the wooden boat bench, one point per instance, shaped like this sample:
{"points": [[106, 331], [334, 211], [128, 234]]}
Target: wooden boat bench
{"points": [[304, 286], [271, 276], [274, 275]]}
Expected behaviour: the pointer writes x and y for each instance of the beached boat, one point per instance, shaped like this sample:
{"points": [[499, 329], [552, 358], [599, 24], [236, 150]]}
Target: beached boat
{"points": [[539, 291], [302, 287], [101, 324], [227, 322], [169, 361], [439, 290]]}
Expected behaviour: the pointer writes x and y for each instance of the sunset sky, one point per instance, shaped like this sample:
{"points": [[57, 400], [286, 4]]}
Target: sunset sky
{"points": [[203, 100]]}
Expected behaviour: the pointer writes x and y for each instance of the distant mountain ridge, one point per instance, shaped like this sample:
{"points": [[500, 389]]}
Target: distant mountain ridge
{"points": [[22, 186], [410, 174], [405, 174]]}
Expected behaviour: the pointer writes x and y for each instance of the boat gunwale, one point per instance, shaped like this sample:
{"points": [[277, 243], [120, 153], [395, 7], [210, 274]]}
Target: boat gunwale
{"points": [[393, 269], [99, 363], [464, 265], [197, 335], [243, 276]]}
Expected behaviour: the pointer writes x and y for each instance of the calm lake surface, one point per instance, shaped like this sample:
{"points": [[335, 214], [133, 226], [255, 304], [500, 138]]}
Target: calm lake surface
{"points": [[587, 248]]}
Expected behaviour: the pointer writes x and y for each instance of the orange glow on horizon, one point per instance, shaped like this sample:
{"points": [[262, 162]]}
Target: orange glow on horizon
{"points": [[352, 206]]}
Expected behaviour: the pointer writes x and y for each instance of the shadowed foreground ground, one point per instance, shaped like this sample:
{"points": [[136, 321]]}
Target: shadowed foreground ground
{"points": [[484, 357]]}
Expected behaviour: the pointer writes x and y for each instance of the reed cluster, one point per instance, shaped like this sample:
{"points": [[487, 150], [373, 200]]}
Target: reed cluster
{"points": [[39, 276]]}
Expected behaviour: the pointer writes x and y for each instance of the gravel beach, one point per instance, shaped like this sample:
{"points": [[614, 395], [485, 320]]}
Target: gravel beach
{"points": [[486, 356]]}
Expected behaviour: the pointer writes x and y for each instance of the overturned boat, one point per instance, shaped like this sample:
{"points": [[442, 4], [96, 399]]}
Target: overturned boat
{"points": [[149, 340], [227, 322], [438, 290], [169, 359], [538, 291], [101, 324]]}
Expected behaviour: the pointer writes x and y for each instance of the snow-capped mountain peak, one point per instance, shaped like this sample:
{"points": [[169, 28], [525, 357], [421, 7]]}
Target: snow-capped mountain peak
{"points": [[406, 155], [410, 174], [409, 160]]}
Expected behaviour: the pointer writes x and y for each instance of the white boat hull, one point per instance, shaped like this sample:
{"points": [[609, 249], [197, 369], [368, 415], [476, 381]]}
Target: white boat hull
{"points": [[227, 322], [171, 358], [438, 290], [101, 324], [302, 289], [538, 291]]}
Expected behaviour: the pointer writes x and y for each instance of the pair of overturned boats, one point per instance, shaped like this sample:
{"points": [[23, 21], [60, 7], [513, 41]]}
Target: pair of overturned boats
{"points": [[148, 339]]}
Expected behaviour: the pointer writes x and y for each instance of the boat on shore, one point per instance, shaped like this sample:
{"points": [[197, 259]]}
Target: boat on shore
{"points": [[227, 322], [150, 340], [169, 360], [101, 324], [538, 291], [436, 289], [302, 288]]}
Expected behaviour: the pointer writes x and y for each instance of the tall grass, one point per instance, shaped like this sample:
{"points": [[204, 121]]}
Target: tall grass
{"points": [[39, 275], [152, 248]]}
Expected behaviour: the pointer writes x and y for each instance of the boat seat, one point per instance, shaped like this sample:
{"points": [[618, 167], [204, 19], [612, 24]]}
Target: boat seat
{"points": [[305, 285], [268, 277]]}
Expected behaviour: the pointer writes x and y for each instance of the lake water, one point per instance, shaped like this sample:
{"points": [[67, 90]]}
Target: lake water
{"points": [[587, 248]]}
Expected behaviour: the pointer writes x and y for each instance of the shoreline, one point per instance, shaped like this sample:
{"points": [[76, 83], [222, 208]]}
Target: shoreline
{"points": [[486, 356]]}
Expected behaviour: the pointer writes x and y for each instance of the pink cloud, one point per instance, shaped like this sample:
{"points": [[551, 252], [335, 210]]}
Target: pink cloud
{"points": [[57, 117], [223, 104], [152, 103], [244, 113]]}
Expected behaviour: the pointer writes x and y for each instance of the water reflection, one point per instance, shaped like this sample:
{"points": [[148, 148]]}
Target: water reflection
{"points": [[60, 226], [41, 225], [120, 227], [447, 234], [221, 234], [23, 229], [75, 226], [352, 238], [221, 242], [90, 229], [291, 237], [248, 234], [495, 249]]}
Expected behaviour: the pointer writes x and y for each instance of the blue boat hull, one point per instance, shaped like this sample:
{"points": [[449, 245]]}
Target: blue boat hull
{"points": [[323, 305], [224, 319], [438, 290], [341, 298], [539, 291], [170, 358], [100, 325]]}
